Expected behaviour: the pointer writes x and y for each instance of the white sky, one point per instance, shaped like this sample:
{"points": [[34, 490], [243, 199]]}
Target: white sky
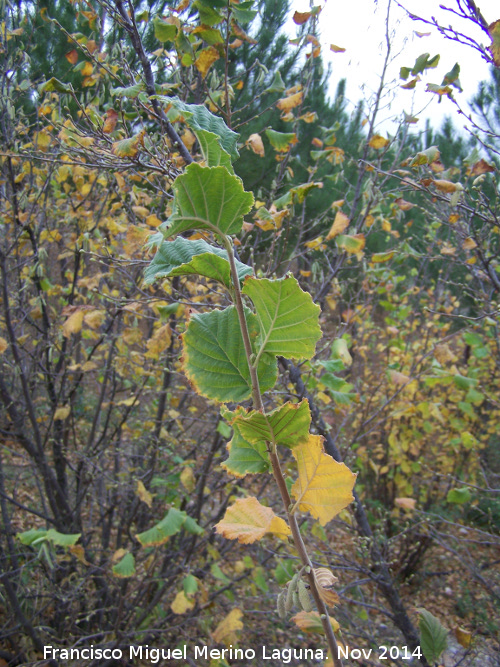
{"points": [[359, 27]]}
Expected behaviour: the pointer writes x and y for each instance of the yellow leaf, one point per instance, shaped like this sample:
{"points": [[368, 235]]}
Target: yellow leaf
{"points": [[182, 603], [324, 486], [248, 521], [445, 186], [188, 139], [73, 324], [87, 69], [62, 413], [290, 102], [378, 142], [336, 49], [141, 211], [340, 223], [443, 354], [309, 117], [255, 142], [153, 221], [188, 479], [118, 555], [398, 378], [315, 243], [405, 503], [143, 494], [323, 397], [352, 244], [206, 59], [225, 631], [447, 249], [78, 551], [110, 122], [494, 48], [464, 637], [95, 318], [469, 244], [159, 342], [3, 345]]}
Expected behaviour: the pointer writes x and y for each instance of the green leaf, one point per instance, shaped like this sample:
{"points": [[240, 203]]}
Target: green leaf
{"points": [[190, 584], [433, 636], [277, 85], [459, 496], [208, 198], [285, 571], [214, 356], [183, 257], [428, 156], [125, 568], [287, 425], [129, 91], [224, 429], [281, 141], [31, 536], [243, 16], [287, 316], [54, 85], [208, 15], [219, 574], [164, 32], [60, 539], [168, 526], [452, 77], [339, 389], [198, 117], [128, 147], [340, 351], [213, 154], [463, 382], [246, 457], [209, 35], [192, 526]]}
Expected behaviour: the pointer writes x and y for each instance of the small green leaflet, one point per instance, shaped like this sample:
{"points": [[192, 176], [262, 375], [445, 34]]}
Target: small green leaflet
{"points": [[164, 32], [246, 457], [125, 567], [281, 141], [171, 524], [214, 356], [287, 316], [183, 257], [287, 425], [208, 198]]}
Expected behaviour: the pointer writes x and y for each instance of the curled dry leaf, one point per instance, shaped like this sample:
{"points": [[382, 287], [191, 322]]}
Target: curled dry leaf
{"points": [[300, 18], [405, 503], [255, 142], [310, 621], [445, 186], [325, 579]]}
